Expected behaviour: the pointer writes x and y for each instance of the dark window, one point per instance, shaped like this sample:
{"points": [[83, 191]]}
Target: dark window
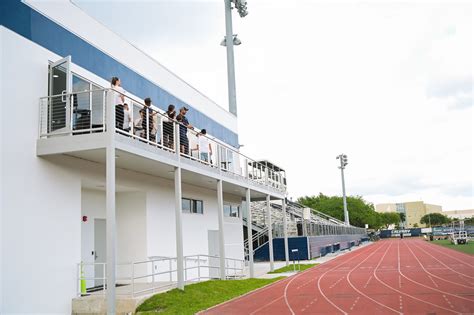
{"points": [[192, 206], [231, 211]]}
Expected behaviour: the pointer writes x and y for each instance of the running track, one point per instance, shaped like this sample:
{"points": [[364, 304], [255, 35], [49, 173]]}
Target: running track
{"points": [[409, 276]]}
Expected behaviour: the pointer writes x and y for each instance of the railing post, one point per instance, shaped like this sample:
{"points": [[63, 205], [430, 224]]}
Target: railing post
{"points": [[185, 270], [171, 270], [246, 168], [104, 279], [133, 279], [153, 275], [147, 123], [199, 268], [177, 145]]}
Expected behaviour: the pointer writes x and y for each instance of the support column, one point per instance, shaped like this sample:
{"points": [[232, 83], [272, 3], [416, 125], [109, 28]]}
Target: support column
{"points": [[285, 231], [249, 233], [111, 231], [220, 216], [270, 234], [179, 227]]}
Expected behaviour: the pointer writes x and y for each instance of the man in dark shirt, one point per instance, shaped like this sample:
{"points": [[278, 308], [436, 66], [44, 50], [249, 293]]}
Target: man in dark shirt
{"points": [[184, 139], [149, 110]]}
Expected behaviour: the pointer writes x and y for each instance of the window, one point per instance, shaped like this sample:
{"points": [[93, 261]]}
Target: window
{"points": [[231, 211], [192, 206]]}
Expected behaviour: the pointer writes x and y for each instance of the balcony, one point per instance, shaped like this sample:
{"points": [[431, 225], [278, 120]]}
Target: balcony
{"points": [[76, 124]]}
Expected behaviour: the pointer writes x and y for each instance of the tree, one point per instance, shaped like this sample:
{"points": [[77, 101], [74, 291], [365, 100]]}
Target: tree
{"points": [[388, 218], [469, 221], [415, 225], [402, 216], [434, 219], [360, 211]]}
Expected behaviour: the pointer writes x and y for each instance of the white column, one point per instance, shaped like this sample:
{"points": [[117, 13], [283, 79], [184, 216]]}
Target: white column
{"points": [[249, 233], [220, 216], [179, 227], [285, 231], [111, 231], [270, 232]]}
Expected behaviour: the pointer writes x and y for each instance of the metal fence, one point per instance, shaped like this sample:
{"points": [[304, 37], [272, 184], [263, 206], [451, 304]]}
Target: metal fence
{"points": [[154, 275], [85, 112]]}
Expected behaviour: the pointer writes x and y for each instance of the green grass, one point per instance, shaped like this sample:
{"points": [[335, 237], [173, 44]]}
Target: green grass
{"points": [[290, 268], [200, 296], [467, 248]]}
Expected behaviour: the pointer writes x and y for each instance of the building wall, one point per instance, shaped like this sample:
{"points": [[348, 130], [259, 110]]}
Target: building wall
{"points": [[415, 210], [42, 200]]}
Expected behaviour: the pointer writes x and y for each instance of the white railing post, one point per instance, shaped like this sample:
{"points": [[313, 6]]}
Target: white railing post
{"points": [[177, 140], [171, 270], [199, 268], [246, 168], [104, 279], [153, 275], [133, 279]]}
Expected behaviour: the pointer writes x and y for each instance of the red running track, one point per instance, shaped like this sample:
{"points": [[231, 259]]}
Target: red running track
{"points": [[409, 276]]}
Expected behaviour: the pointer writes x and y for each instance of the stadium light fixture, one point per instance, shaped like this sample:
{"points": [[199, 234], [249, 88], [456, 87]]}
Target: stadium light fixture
{"points": [[229, 41], [343, 163]]}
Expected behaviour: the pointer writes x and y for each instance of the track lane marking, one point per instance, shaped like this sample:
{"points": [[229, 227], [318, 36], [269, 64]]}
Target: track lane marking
{"points": [[430, 288], [406, 294], [360, 292], [443, 250], [420, 247]]}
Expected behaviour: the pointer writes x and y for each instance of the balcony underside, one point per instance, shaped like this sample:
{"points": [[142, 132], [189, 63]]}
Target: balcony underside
{"points": [[147, 159]]}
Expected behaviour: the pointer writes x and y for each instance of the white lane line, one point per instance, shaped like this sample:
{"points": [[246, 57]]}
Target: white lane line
{"points": [[355, 302], [433, 281], [360, 292], [262, 307], [431, 288], [406, 294], [322, 276], [367, 283], [335, 283], [401, 302], [399, 281], [449, 302], [443, 252], [454, 270]]}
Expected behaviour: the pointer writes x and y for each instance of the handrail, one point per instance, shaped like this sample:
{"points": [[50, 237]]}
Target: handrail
{"points": [[233, 268], [235, 161]]}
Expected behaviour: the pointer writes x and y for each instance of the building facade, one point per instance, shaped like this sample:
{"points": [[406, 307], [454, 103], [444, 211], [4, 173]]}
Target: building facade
{"points": [[413, 210], [78, 194], [459, 214]]}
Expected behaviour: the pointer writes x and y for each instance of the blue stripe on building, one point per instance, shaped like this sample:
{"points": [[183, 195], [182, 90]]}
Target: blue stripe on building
{"points": [[34, 26]]}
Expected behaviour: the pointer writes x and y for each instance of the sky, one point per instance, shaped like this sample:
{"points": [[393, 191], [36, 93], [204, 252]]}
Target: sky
{"points": [[388, 83]]}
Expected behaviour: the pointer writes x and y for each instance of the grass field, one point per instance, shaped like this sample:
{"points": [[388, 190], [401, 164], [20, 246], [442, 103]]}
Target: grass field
{"points": [[290, 268], [468, 248], [200, 296]]}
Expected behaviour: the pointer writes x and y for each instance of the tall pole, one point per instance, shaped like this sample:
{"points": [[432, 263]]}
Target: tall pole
{"points": [[343, 162], [230, 58], [346, 214]]}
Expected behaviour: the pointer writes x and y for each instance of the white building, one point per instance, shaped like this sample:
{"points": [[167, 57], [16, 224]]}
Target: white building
{"points": [[61, 165]]}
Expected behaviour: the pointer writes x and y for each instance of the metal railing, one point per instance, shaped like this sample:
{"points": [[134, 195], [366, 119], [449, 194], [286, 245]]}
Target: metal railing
{"points": [[85, 112], [154, 275]]}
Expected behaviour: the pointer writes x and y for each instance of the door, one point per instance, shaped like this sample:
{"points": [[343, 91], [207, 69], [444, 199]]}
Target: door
{"points": [[100, 251], [60, 87], [213, 247]]}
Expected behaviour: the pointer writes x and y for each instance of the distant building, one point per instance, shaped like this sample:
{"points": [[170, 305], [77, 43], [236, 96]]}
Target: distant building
{"points": [[414, 210], [459, 214]]}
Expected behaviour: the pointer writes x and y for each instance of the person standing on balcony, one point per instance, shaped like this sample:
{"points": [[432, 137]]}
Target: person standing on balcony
{"points": [[185, 141], [148, 117], [119, 99], [126, 118], [168, 130], [204, 147], [182, 133]]}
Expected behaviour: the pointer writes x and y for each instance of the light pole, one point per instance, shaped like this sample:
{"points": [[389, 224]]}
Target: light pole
{"points": [[343, 162], [229, 41]]}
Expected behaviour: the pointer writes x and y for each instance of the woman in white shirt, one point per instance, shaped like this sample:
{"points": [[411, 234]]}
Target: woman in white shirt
{"points": [[204, 147], [119, 99]]}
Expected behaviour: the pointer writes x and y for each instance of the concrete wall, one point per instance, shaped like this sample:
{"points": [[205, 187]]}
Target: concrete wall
{"points": [[43, 200]]}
